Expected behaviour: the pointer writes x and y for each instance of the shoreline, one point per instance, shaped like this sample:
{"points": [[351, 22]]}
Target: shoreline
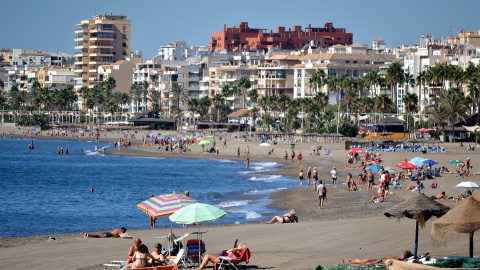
{"points": [[348, 226]]}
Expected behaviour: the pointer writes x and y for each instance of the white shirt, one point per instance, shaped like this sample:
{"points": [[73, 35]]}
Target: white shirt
{"points": [[334, 173]]}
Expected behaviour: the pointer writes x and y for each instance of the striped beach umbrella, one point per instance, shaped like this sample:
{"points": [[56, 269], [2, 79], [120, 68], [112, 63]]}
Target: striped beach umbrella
{"points": [[165, 205]]}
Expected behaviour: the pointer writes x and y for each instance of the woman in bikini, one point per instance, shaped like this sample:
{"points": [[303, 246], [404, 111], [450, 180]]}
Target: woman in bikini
{"points": [[287, 218], [140, 258], [300, 177]]}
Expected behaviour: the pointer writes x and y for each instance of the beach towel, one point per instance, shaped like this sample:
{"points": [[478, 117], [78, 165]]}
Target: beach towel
{"points": [[125, 235]]}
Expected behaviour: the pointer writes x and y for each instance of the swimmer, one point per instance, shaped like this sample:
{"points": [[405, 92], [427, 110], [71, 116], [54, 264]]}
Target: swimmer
{"points": [[92, 190]]}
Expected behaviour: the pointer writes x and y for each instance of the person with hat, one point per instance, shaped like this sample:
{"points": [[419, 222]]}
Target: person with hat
{"points": [[334, 174]]}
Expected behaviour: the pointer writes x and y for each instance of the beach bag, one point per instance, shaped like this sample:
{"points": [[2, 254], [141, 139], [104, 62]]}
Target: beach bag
{"points": [[324, 192]]}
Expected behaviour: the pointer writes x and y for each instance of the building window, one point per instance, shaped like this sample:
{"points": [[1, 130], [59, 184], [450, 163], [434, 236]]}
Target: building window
{"points": [[348, 72], [124, 36], [347, 62], [332, 72], [124, 44], [124, 28], [355, 73]]}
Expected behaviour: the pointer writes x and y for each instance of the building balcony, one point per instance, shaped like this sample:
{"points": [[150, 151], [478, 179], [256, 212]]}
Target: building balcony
{"points": [[81, 30], [101, 38], [101, 46], [203, 88], [95, 30], [93, 54]]}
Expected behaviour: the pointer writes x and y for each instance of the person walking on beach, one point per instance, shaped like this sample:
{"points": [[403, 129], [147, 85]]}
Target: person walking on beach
{"points": [[370, 180], [292, 155], [225, 142], [217, 152], [299, 158], [238, 152], [300, 177], [248, 162], [247, 150], [321, 193], [315, 178], [309, 176], [285, 157], [334, 174]]}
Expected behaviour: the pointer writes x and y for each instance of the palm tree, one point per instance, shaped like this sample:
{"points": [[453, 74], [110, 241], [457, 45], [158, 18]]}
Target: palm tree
{"points": [[244, 84], [317, 79], [373, 79], [217, 101], [454, 105], [321, 99], [235, 91], [273, 103], [349, 99], [144, 89], [2, 85], [176, 112], [253, 95], [368, 104], [384, 103], [393, 77], [438, 116], [283, 101], [421, 81], [474, 93], [179, 93], [3, 102], [108, 85], [410, 102], [263, 103], [192, 105], [204, 104], [136, 93], [254, 112], [155, 97]]}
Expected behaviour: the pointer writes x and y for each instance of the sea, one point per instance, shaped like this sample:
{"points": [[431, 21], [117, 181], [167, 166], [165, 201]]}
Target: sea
{"points": [[44, 193]]}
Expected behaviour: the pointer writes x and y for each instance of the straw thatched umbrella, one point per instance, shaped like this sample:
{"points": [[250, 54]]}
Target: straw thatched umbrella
{"points": [[463, 218], [418, 207]]}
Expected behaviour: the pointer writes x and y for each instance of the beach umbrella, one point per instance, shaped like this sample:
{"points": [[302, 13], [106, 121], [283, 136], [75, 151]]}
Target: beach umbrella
{"points": [[467, 184], [417, 158], [363, 128], [204, 142], [406, 165], [390, 169], [374, 168], [165, 205], [463, 218], [455, 161], [356, 150], [429, 161], [265, 145], [165, 134], [197, 213], [416, 162], [418, 207]]}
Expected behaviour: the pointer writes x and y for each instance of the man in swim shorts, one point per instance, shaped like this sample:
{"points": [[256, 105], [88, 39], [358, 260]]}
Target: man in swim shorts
{"points": [[114, 233], [370, 180]]}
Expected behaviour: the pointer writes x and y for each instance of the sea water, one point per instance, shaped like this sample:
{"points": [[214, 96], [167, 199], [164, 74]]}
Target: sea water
{"points": [[42, 192]]}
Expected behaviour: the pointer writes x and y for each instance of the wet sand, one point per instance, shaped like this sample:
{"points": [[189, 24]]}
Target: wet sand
{"points": [[348, 226]]}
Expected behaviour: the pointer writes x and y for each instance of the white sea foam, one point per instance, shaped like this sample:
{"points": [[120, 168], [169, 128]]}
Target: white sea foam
{"points": [[264, 178], [263, 191], [228, 204], [252, 215], [226, 161]]}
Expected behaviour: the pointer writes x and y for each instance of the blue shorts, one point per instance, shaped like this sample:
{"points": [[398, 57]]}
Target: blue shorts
{"points": [[108, 234]]}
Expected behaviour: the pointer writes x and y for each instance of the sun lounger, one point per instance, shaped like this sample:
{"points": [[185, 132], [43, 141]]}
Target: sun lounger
{"points": [[166, 267], [233, 262]]}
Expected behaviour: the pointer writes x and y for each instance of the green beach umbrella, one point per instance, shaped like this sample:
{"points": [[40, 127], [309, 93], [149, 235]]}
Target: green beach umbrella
{"points": [[455, 161], [165, 134], [203, 142], [197, 213]]}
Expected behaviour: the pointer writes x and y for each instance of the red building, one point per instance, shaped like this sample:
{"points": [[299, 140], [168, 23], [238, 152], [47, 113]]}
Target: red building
{"points": [[246, 38]]}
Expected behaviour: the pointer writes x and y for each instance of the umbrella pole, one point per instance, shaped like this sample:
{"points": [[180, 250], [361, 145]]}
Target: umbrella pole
{"points": [[471, 245], [416, 240]]}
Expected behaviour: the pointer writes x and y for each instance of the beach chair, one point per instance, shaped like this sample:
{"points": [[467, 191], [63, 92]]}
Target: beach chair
{"points": [[233, 262], [114, 265], [179, 260], [193, 248]]}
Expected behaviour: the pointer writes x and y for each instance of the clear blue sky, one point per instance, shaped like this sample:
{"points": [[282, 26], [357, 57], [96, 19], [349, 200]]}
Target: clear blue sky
{"points": [[50, 24]]}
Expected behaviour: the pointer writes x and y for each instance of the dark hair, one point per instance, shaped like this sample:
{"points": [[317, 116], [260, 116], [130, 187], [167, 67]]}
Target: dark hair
{"points": [[158, 245], [320, 182], [443, 192], [123, 229], [142, 248], [407, 254]]}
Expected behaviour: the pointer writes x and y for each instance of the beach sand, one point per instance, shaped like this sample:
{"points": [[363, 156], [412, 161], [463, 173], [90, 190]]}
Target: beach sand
{"points": [[347, 227]]}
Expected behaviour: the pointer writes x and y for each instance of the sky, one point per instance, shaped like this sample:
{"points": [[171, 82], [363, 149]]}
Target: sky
{"points": [[49, 25]]}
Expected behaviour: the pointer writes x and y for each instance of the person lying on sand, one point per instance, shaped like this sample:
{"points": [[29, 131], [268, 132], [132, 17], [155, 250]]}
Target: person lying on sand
{"points": [[379, 261], [287, 218], [232, 253], [114, 233]]}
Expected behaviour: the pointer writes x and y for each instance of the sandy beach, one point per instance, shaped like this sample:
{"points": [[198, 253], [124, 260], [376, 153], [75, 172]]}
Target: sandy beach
{"points": [[348, 226]]}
